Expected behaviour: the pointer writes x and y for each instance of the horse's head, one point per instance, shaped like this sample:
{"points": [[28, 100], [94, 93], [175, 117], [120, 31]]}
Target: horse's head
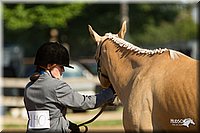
{"points": [[101, 54]]}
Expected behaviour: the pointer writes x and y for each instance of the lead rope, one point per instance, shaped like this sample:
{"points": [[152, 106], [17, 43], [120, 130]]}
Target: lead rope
{"points": [[94, 118]]}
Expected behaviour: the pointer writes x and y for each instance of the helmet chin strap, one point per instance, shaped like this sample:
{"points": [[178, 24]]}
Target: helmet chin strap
{"points": [[49, 72]]}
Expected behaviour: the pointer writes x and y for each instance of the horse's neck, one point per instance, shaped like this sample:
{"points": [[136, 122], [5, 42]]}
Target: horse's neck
{"points": [[124, 69]]}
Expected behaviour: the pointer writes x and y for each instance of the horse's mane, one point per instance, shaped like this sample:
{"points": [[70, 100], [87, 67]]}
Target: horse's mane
{"points": [[138, 50]]}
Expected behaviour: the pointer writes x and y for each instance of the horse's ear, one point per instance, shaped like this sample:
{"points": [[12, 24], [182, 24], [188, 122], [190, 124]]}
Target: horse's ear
{"points": [[94, 35], [122, 32]]}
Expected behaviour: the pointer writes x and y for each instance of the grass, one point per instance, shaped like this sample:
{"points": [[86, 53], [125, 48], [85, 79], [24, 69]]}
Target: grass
{"points": [[21, 124], [94, 124], [106, 123], [10, 126]]}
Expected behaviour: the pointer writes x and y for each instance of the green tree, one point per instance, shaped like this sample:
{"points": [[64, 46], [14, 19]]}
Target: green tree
{"points": [[28, 25], [21, 16], [181, 28], [150, 24]]}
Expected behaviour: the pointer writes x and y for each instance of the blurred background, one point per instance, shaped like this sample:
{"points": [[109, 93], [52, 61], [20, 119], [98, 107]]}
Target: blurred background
{"points": [[27, 25]]}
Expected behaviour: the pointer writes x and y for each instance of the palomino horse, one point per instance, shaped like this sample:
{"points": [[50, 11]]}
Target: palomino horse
{"points": [[157, 88]]}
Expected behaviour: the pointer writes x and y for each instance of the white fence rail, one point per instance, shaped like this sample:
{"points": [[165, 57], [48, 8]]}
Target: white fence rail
{"points": [[83, 85]]}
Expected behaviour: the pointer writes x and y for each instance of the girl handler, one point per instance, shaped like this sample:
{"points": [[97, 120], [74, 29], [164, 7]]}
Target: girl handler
{"points": [[46, 96]]}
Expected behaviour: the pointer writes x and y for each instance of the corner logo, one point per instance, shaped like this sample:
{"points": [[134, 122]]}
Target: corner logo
{"points": [[182, 122]]}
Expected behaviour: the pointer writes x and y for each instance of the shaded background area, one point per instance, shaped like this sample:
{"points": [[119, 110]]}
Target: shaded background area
{"points": [[149, 24]]}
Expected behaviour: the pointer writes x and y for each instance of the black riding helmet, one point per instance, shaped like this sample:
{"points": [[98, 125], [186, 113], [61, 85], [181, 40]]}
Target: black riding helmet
{"points": [[52, 53]]}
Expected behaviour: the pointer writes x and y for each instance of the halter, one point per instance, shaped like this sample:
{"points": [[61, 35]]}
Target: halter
{"points": [[99, 72]]}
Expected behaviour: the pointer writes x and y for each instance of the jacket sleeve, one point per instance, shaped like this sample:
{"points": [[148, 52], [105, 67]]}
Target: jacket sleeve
{"points": [[74, 100]]}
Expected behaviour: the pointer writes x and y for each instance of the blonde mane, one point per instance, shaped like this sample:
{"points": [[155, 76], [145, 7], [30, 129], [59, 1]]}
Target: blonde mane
{"points": [[129, 46]]}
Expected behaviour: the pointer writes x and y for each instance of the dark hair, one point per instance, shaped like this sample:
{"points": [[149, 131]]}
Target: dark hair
{"points": [[36, 74]]}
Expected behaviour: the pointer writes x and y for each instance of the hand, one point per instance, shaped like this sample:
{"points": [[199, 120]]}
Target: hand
{"points": [[74, 127]]}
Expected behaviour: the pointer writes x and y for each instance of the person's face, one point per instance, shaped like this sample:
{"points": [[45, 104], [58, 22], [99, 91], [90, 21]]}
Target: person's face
{"points": [[56, 70]]}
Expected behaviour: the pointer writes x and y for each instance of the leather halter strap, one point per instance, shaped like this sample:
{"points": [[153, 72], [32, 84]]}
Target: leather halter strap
{"points": [[99, 72]]}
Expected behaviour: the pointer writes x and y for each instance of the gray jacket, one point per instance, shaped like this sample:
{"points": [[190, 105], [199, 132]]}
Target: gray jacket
{"points": [[53, 95]]}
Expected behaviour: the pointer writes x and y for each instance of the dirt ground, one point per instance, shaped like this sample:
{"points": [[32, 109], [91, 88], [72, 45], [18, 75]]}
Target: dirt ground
{"points": [[74, 117]]}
